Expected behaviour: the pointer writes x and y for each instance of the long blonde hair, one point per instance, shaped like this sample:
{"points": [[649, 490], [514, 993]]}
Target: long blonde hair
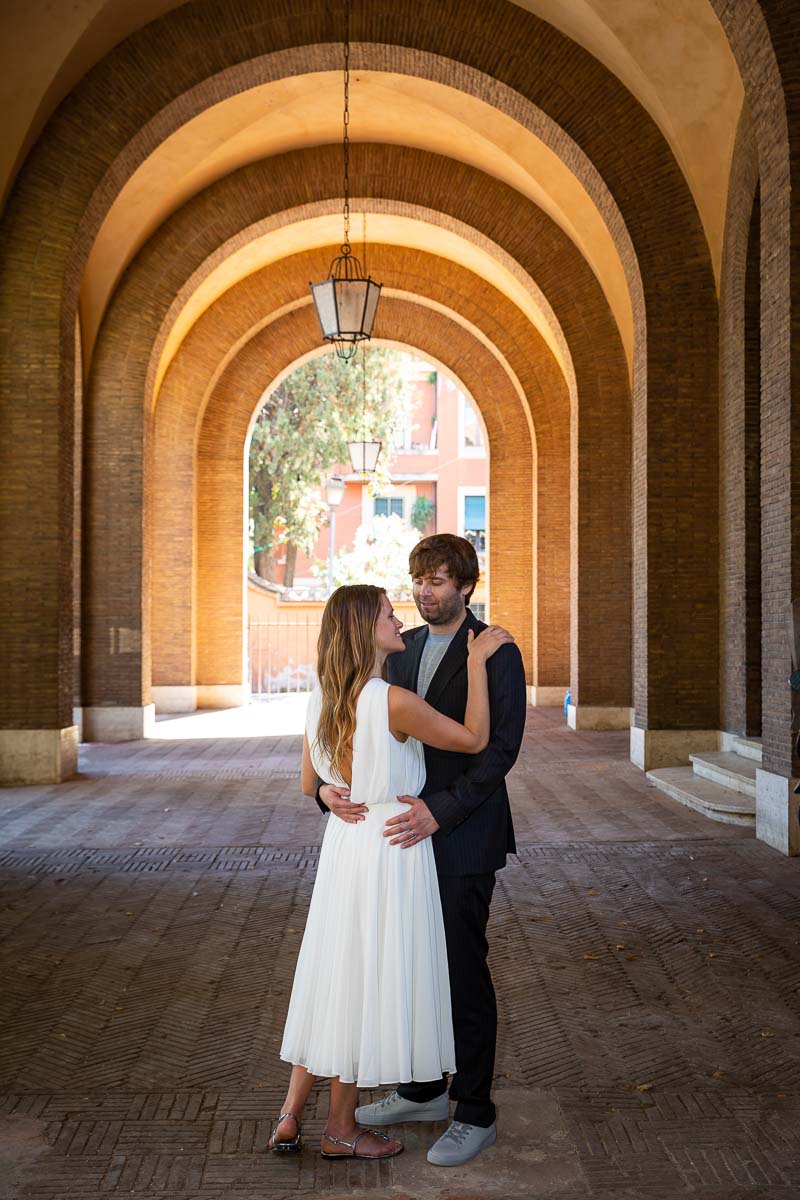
{"points": [[345, 661]]}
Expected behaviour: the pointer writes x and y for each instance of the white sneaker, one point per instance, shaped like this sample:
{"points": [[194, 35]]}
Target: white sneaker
{"points": [[394, 1110], [459, 1143]]}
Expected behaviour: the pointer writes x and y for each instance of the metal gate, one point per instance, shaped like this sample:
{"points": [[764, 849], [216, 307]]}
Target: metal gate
{"points": [[282, 654]]}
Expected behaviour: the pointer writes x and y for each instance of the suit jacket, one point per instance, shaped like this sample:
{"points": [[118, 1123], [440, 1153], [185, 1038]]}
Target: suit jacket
{"points": [[467, 792]]}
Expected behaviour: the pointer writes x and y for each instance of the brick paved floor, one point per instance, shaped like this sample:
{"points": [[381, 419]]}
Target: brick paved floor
{"points": [[646, 960]]}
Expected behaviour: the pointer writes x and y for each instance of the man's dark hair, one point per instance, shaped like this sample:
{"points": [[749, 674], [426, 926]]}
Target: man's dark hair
{"points": [[446, 550]]}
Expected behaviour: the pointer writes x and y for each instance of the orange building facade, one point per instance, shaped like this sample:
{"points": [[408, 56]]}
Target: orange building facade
{"points": [[440, 456]]}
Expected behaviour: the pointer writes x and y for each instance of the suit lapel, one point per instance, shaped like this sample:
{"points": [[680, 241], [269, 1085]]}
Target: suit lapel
{"points": [[454, 658], [408, 672]]}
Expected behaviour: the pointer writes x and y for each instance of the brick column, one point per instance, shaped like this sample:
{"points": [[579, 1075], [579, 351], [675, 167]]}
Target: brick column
{"points": [[38, 740], [676, 571], [740, 446], [600, 675], [675, 514], [116, 560], [776, 804], [174, 686]]}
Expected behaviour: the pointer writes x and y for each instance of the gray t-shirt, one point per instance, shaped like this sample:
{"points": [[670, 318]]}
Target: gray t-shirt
{"points": [[432, 654]]}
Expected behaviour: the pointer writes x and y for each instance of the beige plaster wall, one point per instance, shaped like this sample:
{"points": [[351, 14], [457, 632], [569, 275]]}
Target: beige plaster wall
{"points": [[674, 56], [46, 47]]}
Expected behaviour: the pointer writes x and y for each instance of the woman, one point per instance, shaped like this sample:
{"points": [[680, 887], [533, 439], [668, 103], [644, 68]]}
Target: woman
{"points": [[370, 1003]]}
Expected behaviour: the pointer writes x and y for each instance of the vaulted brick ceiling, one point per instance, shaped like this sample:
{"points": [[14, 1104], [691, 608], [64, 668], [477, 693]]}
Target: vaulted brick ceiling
{"points": [[291, 100], [674, 58]]}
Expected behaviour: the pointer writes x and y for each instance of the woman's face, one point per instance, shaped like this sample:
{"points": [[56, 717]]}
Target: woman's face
{"points": [[387, 629]]}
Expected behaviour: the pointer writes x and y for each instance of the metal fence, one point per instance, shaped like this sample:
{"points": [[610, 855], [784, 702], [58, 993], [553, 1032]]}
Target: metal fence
{"points": [[282, 654]]}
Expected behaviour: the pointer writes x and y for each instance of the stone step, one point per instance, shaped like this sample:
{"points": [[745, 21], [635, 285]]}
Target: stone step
{"points": [[727, 769], [718, 803], [747, 748]]}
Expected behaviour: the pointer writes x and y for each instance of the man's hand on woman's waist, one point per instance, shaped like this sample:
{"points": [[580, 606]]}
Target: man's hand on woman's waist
{"points": [[412, 826], [338, 801]]}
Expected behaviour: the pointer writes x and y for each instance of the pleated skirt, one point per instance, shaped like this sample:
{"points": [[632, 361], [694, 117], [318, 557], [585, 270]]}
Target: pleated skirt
{"points": [[370, 1001]]}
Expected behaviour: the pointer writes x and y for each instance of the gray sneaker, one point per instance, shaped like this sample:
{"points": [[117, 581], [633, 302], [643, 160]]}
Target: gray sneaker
{"points": [[394, 1110], [460, 1143]]}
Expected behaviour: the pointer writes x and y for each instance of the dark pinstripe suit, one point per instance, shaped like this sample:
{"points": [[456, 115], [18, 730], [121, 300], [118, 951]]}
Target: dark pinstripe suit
{"points": [[467, 792], [467, 795]]}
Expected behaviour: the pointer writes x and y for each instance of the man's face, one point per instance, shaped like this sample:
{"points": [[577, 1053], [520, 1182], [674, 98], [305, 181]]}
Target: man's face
{"points": [[438, 599]]}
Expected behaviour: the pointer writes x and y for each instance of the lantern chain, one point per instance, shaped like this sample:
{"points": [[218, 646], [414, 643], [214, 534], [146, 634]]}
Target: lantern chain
{"points": [[364, 394], [346, 136]]}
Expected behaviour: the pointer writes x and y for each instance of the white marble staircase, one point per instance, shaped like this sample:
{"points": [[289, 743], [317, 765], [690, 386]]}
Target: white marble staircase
{"points": [[719, 783]]}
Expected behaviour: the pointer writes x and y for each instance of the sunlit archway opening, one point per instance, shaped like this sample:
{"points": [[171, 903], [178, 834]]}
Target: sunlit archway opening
{"points": [[432, 476]]}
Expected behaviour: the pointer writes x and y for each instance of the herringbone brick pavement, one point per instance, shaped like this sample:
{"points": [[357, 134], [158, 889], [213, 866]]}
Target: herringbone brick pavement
{"points": [[646, 962]]}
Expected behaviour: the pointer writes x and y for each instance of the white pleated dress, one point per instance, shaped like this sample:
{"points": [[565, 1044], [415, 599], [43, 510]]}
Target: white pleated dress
{"points": [[371, 996]]}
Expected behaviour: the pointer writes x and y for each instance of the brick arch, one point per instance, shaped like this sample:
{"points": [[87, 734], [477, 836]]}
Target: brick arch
{"points": [[521, 52], [223, 214], [221, 468], [252, 305], [434, 68], [192, 298]]}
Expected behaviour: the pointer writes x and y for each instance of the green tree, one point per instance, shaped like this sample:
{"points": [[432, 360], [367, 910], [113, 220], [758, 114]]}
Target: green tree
{"points": [[302, 432], [422, 513]]}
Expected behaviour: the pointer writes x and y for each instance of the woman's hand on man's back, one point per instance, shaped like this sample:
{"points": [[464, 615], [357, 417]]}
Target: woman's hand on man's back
{"points": [[488, 641]]}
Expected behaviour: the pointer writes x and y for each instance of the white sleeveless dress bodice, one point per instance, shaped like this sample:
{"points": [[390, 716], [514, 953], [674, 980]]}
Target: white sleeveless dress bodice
{"points": [[371, 996]]}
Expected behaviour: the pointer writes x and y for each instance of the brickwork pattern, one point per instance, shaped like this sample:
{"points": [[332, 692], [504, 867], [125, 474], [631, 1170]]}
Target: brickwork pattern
{"points": [[752, 473], [239, 315], [740, 501], [108, 123], [763, 38], [645, 962]]}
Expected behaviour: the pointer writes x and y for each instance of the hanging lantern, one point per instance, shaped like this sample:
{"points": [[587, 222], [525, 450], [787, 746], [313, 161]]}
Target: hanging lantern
{"points": [[346, 302], [364, 456]]}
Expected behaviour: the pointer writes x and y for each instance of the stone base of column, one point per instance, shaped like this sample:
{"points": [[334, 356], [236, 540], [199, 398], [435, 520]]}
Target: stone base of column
{"points": [[653, 748], [117, 723], [30, 756], [175, 699], [547, 697], [777, 812], [598, 716], [222, 695]]}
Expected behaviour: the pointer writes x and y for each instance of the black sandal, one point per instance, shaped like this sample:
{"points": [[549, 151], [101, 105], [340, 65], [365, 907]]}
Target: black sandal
{"points": [[291, 1147], [351, 1146]]}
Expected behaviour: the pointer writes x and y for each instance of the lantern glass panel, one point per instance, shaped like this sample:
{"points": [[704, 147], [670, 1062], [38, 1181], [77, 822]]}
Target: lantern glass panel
{"points": [[351, 295], [372, 452], [373, 295], [325, 303], [364, 456], [356, 452]]}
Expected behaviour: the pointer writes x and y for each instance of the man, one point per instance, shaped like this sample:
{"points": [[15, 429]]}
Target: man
{"points": [[464, 808]]}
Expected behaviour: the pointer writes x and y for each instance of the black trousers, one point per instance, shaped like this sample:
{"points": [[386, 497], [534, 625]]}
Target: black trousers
{"points": [[465, 907]]}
